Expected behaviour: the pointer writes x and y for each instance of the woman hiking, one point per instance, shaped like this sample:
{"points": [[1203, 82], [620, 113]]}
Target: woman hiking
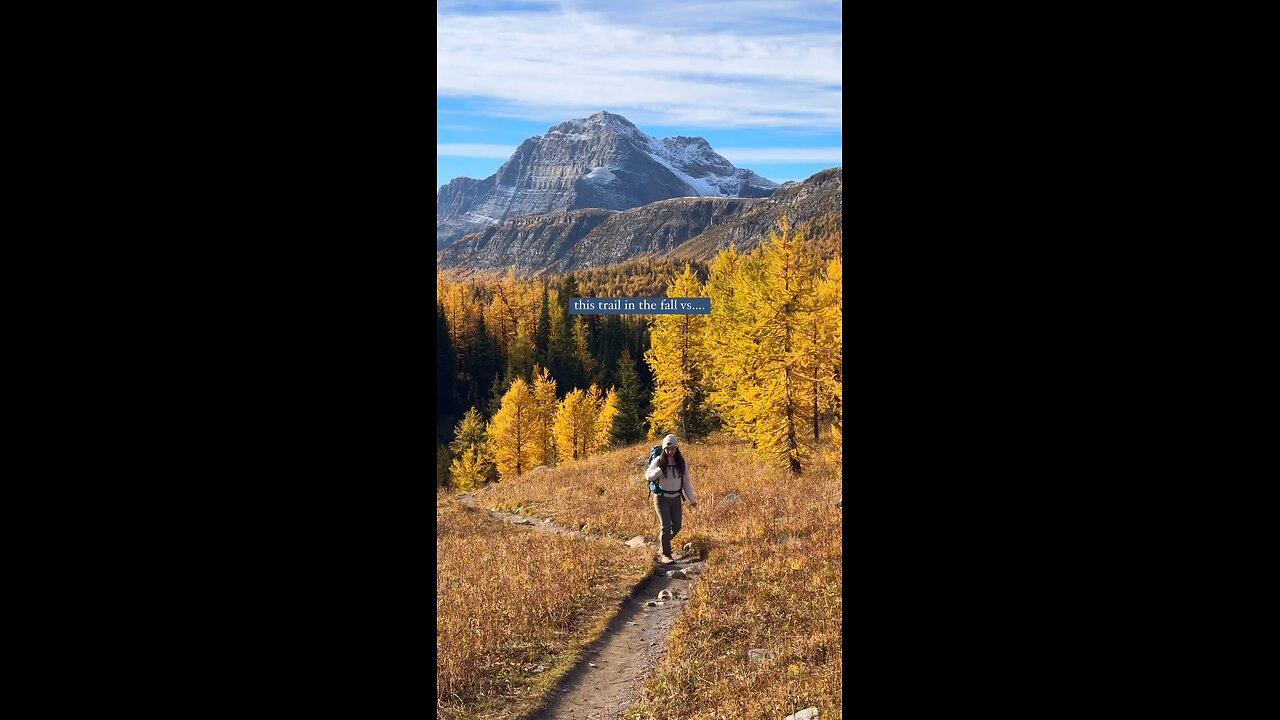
{"points": [[672, 475]]}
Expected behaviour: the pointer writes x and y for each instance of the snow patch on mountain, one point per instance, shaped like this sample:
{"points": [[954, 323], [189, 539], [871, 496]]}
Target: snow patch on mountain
{"points": [[680, 153], [599, 175], [700, 186]]}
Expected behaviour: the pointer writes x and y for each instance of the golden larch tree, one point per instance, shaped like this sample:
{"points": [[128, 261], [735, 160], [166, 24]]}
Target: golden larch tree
{"points": [[573, 418], [729, 347], [544, 406], [607, 412], [816, 347], [512, 432], [779, 304], [832, 288], [473, 456], [677, 360]]}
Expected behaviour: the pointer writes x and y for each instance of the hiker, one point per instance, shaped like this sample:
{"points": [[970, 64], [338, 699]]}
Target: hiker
{"points": [[671, 474]]}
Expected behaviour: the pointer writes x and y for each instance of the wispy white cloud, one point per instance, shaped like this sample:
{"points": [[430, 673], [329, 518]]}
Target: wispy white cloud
{"points": [[750, 69], [475, 150], [780, 156]]}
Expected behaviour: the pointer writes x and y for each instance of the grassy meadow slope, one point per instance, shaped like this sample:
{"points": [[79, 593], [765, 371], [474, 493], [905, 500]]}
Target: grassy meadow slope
{"points": [[514, 608], [773, 547]]}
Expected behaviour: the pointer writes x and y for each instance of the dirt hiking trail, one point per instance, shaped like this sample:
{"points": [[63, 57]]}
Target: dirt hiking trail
{"points": [[608, 676]]}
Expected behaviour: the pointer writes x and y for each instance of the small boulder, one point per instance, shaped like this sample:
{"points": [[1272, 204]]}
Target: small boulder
{"points": [[665, 595], [809, 713], [637, 541], [758, 654]]}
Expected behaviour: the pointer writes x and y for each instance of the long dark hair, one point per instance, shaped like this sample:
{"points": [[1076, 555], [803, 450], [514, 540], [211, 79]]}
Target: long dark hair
{"points": [[679, 459]]}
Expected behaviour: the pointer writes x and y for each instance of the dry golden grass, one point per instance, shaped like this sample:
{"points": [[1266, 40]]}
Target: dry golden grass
{"points": [[773, 577], [509, 599]]}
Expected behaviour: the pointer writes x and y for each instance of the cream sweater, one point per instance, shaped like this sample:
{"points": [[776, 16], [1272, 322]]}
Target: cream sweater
{"points": [[671, 480]]}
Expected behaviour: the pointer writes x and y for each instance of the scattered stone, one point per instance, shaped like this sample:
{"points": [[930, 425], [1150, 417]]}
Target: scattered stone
{"points": [[665, 595], [688, 547], [540, 669], [731, 498], [809, 713], [651, 604], [689, 572], [672, 573], [546, 520], [591, 663], [637, 541], [758, 654]]}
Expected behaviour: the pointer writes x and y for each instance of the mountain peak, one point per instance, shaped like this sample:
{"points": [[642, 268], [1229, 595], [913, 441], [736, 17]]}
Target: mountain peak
{"points": [[599, 161], [601, 120], [604, 117]]}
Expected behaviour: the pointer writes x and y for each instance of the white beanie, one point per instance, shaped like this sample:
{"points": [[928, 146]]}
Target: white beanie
{"points": [[670, 441]]}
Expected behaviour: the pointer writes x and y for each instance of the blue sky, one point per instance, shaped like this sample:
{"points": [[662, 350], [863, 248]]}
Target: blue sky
{"points": [[760, 80]]}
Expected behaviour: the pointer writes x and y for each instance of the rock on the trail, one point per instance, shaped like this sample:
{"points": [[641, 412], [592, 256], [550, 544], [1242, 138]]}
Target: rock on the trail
{"points": [[665, 595], [758, 654], [651, 604], [637, 541], [809, 713]]}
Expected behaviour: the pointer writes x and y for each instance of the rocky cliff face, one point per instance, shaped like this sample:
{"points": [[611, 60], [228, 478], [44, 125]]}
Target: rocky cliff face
{"points": [[819, 200], [696, 228], [602, 161]]}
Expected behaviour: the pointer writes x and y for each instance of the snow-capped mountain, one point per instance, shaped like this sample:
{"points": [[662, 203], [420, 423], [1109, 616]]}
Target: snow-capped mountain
{"points": [[602, 161]]}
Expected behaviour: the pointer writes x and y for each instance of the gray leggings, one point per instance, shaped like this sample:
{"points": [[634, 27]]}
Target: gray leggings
{"points": [[669, 515]]}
